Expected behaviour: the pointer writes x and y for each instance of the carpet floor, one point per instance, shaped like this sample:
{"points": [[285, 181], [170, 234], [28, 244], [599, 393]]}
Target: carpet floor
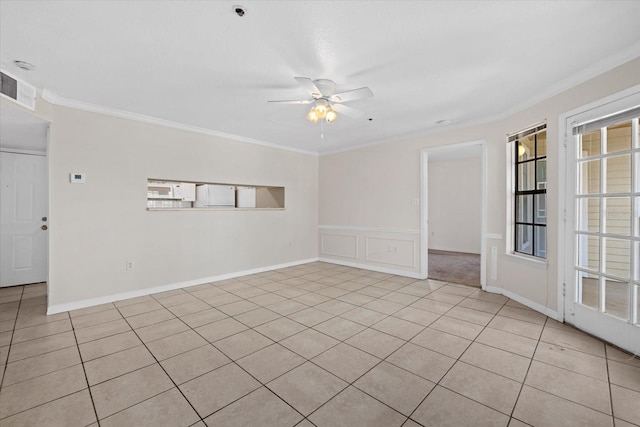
{"points": [[454, 267]]}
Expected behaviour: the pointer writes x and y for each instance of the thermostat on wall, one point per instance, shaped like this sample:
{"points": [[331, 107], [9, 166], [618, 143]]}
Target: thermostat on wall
{"points": [[77, 178]]}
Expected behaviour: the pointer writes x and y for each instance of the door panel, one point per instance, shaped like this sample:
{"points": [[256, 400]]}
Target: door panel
{"points": [[23, 241]]}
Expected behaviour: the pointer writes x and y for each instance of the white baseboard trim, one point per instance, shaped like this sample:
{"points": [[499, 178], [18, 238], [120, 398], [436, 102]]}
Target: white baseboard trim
{"points": [[410, 274], [61, 308], [532, 305]]}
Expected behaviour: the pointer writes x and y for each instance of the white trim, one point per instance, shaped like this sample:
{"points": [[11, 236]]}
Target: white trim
{"points": [[532, 305], [494, 236], [529, 260], [370, 229], [22, 151], [53, 98], [403, 273], [61, 308]]}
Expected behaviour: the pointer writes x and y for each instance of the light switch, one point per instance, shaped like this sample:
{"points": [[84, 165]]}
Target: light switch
{"points": [[77, 177]]}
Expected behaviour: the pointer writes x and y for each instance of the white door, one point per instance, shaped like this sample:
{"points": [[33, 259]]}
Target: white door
{"points": [[603, 284], [23, 218]]}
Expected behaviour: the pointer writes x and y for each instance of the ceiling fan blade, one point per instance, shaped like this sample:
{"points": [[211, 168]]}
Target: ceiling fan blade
{"points": [[352, 95], [309, 86], [298, 101], [347, 111]]}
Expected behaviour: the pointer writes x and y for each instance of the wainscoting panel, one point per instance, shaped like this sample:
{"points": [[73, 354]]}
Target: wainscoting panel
{"points": [[387, 250]]}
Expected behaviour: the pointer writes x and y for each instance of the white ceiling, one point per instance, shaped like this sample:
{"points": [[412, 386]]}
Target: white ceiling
{"points": [[197, 63]]}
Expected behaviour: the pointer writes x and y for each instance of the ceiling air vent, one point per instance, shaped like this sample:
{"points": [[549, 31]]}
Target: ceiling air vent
{"points": [[17, 90]]}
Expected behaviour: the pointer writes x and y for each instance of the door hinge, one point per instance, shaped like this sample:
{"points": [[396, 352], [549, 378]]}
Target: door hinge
{"points": [[564, 289], [564, 215]]}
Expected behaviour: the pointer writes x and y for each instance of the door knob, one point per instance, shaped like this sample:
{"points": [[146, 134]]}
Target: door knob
{"points": [[44, 227]]}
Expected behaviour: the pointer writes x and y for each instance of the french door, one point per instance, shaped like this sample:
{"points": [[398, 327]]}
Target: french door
{"points": [[603, 286]]}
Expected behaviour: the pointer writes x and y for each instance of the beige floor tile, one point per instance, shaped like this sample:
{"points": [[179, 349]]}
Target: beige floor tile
{"points": [[287, 307], [441, 342], [36, 391], [173, 345], [515, 326], [307, 387], [205, 292], [41, 345], [116, 364], [310, 316], [346, 362], [497, 361], [39, 331], [396, 387], [457, 327], [575, 341], [489, 297], [625, 375], [495, 391], [166, 409], [161, 330], [445, 408], [400, 298], [216, 389], [39, 365], [131, 301], [621, 423], [384, 306], [140, 308], [470, 315], [335, 307], [353, 408], [523, 314], [180, 297], [94, 319], [355, 298], [220, 329], [127, 390], [398, 328], [339, 328], [108, 345], [309, 343], [457, 289], [257, 317], [101, 331], [433, 306], [618, 355], [270, 362], [221, 299], [538, 408], [4, 354], [7, 325], [626, 404], [415, 315], [373, 292], [259, 408], [189, 308], [481, 305], [280, 329], [192, 364], [311, 299], [363, 316], [445, 297], [38, 318], [421, 361], [73, 410], [509, 342], [242, 344], [578, 388], [266, 299], [374, 342], [572, 360], [237, 307], [204, 317], [150, 318]]}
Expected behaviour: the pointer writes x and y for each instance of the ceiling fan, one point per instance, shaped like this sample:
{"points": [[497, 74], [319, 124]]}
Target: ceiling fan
{"points": [[325, 102]]}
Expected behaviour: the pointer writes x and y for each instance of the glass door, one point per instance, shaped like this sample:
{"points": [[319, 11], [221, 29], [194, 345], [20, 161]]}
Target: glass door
{"points": [[604, 297]]}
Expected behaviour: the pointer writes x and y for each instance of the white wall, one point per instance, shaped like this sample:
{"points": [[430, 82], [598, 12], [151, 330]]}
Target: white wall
{"points": [[455, 204], [97, 226], [372, 187]]}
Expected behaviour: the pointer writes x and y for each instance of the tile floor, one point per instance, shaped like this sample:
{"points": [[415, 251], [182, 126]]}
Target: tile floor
{"points": [[317, 344]]}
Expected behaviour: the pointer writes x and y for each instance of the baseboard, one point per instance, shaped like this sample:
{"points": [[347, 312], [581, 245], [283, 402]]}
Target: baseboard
{"points": [[61, 308], [532, 305], [410, 274]]}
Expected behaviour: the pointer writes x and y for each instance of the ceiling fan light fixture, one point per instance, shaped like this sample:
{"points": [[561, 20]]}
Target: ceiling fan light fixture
{"points": [[331, 116], [312, 116]]}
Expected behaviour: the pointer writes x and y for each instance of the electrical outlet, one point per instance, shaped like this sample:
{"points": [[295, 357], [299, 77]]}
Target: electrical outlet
{"points": [[129, 265]]}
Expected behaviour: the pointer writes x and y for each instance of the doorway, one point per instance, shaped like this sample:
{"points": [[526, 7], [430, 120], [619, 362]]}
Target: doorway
{"points": [[453, 215], [23, 196]]}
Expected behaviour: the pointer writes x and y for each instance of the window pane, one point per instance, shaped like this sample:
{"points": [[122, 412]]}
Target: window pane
{"points": [[637, 219], [542, 144], [589, 177], [541, 177], [637, 297], [541, 241], [617, 215], [619, 137], [589, 144], [526, 176], [616, 298], [526, 148], [541, 209], [589, 252], [637, 161], [617, 257], [618, 179], [589, 214], [524, 208], [588, 290], [524, 239]]}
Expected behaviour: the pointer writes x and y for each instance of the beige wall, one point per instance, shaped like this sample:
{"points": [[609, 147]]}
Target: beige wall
{"points": [[97, 226], [373, 186]]}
